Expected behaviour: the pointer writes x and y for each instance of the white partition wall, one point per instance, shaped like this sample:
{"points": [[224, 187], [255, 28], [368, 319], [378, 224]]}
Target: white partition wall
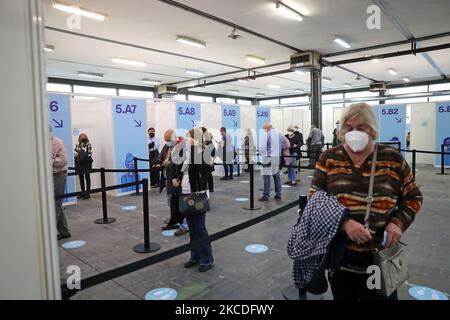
{"points": [[276, 115], [95, 119], [423, 130], [328, 123], [161, 116]]}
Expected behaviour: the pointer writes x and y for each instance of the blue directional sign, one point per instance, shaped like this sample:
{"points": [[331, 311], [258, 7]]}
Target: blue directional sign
{"points": [[231, 120], [130, 139], [161, 294], [392, 123], [74, 244], [424, 293], [256, 248], [60, 120], [188, 116], [443, 131]]}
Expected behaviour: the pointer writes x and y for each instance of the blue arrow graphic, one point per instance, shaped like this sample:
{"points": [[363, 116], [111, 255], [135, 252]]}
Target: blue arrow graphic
{"points": [[235, 123], [58, 124], [138, 124], [399, 120]]}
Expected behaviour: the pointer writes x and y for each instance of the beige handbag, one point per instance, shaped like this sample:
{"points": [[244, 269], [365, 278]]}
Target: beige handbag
{"points": [[391, 261]]}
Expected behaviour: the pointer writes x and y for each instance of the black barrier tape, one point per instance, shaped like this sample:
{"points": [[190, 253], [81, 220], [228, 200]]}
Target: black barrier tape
{"points": [[81, 193], [426, 152], [146, 262]]}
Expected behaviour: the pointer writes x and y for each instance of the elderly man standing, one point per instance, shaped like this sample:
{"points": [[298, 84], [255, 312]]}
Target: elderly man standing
{"points": [[60, 164], [316, 140], [270, 146]]}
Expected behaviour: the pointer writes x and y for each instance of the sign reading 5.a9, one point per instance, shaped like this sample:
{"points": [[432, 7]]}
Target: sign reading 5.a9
{"points": [[229, 113], [389, 111], [444, 109], [261, 114]]}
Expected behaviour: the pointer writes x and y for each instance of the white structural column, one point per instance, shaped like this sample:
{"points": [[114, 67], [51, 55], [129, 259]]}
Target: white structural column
{"points": [[29, 266]]}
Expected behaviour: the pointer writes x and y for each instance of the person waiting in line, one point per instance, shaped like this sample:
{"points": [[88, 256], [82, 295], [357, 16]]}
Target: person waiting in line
{"points": [[286, 154], [210, 155], [408, 140], [270, 145], [343, 171], [192, 177], [248, 145], [153, 153], [228, 154], [295, 143], [83, 164], [335, 142], [172, 148], [59, 166], [316, 139]]}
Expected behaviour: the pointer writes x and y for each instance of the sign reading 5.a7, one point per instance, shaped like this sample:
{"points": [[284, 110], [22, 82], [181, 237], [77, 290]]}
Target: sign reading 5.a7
{"points": [[128, 109]]}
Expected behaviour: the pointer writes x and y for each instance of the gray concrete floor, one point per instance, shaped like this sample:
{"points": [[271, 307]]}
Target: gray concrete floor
{"points": [[236, 274]]}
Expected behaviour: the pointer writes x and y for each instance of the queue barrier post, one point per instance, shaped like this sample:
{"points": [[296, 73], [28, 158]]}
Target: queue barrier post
{"points": [[136, 175], [105, 219], [414, 162], [147, 246], [251, 167], [291, 292]]}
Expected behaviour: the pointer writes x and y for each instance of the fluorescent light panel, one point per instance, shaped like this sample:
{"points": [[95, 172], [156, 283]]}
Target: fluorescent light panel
{"points": [[288, 12], [191, 41], [233, 91], [129, 62], [243, 81], [78, 11], [90, 74], [195, 72], [342, 42], [392, 71], [406, 79], [347, 85], [326, 79], [255, 59], [274, 86], [152, 82], [49, 48]]}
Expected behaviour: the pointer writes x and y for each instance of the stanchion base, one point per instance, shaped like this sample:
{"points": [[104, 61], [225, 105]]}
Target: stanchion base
{"points": [[248, 208], [291, 293], [140, 248], [107, 221]]}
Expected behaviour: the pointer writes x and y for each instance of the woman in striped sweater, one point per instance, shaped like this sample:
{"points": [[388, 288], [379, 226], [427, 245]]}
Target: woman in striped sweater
{"points": [[344, 171]]}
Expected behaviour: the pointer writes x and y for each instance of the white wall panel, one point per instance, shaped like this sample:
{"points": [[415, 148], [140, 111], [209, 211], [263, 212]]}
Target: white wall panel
{"points": [[423, 130]]}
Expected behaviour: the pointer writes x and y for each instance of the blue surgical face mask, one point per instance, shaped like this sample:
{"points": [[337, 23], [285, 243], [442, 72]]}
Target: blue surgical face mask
{"points": [[338, 126], [169, 144]]}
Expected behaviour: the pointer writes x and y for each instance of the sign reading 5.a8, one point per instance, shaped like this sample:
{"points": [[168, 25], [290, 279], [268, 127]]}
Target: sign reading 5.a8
{"points": [[229, 113], [393, 111], [444, 109], [261, 114], [186, 111]]}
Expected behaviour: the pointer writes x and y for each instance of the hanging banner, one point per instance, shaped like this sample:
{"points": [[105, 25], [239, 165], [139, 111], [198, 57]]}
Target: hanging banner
{"points": [[392, 123], [188, 117], [262, 116], [130, 140], [443, 131], [231, 120], [59, 117]]}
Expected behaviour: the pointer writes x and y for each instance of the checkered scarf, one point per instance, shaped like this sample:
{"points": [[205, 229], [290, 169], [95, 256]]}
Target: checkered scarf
{"points": [[316, 227]]}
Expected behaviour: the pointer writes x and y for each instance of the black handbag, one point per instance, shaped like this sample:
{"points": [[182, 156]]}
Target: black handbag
{"points": [[193, 204]]}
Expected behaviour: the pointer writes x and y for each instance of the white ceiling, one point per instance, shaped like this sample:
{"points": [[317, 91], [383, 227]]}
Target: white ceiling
{"points": [[155, 25]]}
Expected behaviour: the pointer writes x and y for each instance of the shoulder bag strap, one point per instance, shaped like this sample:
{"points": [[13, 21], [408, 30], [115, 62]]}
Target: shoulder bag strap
{"points": [[370, 194]]}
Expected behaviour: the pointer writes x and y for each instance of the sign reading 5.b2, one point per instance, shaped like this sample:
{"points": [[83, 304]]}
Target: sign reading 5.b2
{"points": [[390, 111]]}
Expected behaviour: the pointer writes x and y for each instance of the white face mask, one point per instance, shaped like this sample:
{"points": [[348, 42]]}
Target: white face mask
{"points": [[356, 140]]}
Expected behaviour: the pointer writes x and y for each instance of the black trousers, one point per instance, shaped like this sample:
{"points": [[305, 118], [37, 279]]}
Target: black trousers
{"points": [[85, 177], [228, 170], [353, 286]]}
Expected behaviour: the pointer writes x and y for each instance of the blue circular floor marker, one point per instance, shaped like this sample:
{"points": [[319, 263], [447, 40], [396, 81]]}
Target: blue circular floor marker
{"points": [[423, 293], [256, 248], [161, 294], [74, 244], [169, 233], [241, 199], [285, 186], [129, 208]]}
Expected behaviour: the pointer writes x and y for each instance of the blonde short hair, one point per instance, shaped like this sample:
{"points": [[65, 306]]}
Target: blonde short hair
{"points": [[364, 112]]}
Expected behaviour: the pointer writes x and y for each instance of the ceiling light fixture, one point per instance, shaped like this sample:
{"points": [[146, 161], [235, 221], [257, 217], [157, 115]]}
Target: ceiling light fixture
{"points": [[375, 60], [255, 59], [233, 91], [326, 79], [342, 42], [195, 72], [49, 48], [260, 95], [288, 12], [274, 86], [347, 85], [191, 41], [406, 79], [151, 82], [243, 81], [234, 34], [129, 62], [78, 11], [300, 90], [392, 71], [90, 74]]}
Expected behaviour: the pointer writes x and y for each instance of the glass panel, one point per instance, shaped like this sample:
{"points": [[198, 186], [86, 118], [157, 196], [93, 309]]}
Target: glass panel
{"points": [[56, 87], [439, 87], [135, 93], [95, 90], [245, 102], [200, 98], [269, 102], [408, 90], [295, 100]]}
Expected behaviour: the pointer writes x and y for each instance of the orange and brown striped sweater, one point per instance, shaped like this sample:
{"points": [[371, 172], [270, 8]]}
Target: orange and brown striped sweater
{"points": [[396, 196]]}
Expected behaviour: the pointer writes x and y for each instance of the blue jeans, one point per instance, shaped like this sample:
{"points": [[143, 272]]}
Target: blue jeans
{"points": [[277, 181], [197, 231], [292, 172]]}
